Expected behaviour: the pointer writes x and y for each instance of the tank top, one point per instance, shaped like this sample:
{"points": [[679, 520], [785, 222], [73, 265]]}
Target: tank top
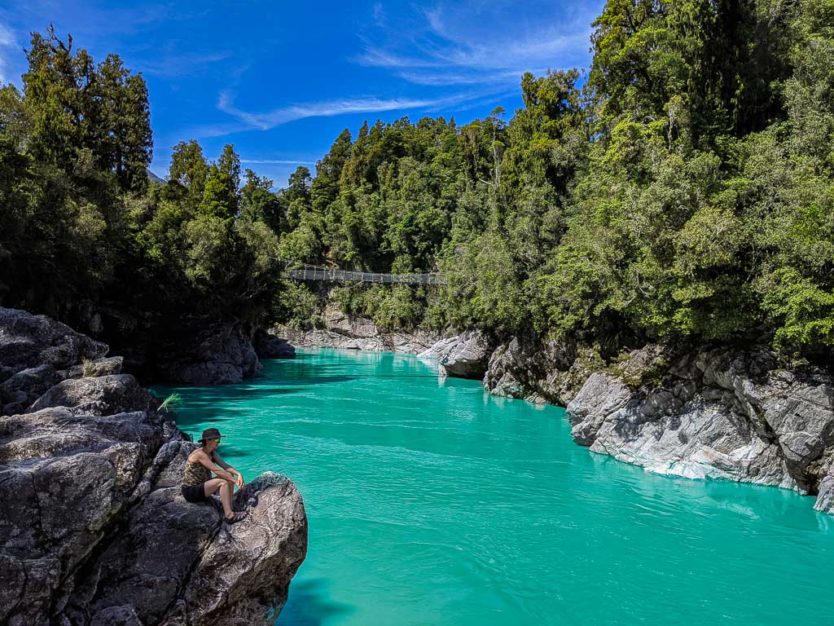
{"points": [[195, 473]]}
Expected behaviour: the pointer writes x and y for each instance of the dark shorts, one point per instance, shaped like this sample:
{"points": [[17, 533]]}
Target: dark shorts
{"points": [[194, 493]]}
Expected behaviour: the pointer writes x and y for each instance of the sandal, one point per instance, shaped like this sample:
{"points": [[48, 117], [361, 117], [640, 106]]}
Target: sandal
{"points": [[235, 518]]}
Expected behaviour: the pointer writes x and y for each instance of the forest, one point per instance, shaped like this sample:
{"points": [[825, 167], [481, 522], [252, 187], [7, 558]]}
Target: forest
{"points": [[679, 190]]}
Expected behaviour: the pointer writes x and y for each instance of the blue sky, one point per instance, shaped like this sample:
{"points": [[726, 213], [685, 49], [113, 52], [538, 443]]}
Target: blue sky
{"points": [[280, 80]]}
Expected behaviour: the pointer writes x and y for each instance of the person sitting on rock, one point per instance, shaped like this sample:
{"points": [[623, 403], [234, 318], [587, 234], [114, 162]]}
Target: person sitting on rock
{"points": [[197, 483]]}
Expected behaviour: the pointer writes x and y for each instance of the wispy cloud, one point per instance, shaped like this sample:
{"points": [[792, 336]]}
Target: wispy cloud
{"points": [[276, 162], [461, 43], [8, 47], [173, 65], [291, 113]]}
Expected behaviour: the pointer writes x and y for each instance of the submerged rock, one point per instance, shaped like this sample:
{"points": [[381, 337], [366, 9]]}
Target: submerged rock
{"points": [[93, 528]]}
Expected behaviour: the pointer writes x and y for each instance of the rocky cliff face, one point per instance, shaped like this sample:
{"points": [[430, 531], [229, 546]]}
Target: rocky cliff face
{"points": [[352, 332], [539, 372], [709, 414], [714, 413], [93, 529], [216, 356]]}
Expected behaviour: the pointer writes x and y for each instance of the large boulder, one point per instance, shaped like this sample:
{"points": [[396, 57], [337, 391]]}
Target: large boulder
{"points": [[715, 413], [98, 395], [64, 478], [463, 356], [28, 340], [37, 352], [219, 356], [174, 562], [94, 529]]}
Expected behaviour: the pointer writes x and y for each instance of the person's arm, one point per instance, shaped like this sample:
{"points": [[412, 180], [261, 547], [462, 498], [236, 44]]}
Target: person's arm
{"points": [[207, 462], [239, 477]]}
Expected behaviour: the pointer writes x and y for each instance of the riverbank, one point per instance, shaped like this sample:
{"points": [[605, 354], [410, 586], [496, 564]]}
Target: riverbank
{"points": [[94, 527], [708, 413]]}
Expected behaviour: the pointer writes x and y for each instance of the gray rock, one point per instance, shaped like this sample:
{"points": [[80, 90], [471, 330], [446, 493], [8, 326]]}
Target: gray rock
{"points": [[24, 387], [413, 342], [99, 367], [601, 396], [716, 413], [177, 563], [825, 498], [93, 528], [467, 356], [503, 371], [28, 340], [550, 371], [64, 479], [220, 356], [244, 574], [98, 395], [354, 326]]}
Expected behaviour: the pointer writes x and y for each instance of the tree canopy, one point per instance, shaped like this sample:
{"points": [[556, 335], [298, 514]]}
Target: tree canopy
{"points": [[679, 190]]}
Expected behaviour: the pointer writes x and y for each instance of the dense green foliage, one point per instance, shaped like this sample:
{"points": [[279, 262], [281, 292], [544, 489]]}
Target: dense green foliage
{"points": [[83, 235], [683, 192]]}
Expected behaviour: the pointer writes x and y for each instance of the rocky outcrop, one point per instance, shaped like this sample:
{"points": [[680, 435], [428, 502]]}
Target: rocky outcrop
{"points": [[715, 413], [354, 332], [463, 356], [36, 353], [93, 528], [268, 346], [218, 356], [825, 498], [549, 371]]}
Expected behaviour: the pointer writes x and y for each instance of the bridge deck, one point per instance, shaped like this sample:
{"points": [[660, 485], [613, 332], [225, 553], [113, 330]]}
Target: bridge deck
{"points": [[314, 273]]}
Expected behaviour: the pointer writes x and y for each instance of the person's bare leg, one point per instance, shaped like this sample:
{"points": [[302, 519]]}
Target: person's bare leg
{"points": [[226, 490], [211, 486], [215, 484]]}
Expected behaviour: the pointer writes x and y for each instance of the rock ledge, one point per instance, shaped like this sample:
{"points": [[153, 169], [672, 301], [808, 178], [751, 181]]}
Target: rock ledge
{"points": [[94, 529]]}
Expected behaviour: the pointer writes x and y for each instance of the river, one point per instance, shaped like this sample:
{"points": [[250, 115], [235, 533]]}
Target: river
{"points": [[431, 502]]}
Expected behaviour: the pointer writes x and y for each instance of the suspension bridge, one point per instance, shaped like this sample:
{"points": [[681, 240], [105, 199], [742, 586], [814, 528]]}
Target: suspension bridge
{"points": [[335, 275]]}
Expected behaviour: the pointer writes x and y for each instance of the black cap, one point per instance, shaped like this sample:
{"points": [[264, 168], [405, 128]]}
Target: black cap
{"points": [[209, 433]]}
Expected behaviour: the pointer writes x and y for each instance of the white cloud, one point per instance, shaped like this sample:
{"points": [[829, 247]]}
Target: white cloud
{"points": [[276, 162], [173, 65], [283, 115], [6, 36], [8, 47], [464, 42]]}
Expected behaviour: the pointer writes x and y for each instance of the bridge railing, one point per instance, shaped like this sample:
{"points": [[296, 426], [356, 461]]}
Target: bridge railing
{"points": [[333, 275]]}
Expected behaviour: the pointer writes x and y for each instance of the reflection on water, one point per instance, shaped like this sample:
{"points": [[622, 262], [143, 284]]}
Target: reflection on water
{"points": [[431, 502]]}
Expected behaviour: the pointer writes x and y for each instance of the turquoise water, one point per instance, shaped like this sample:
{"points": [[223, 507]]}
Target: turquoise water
{"points": [[434, 503]]}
